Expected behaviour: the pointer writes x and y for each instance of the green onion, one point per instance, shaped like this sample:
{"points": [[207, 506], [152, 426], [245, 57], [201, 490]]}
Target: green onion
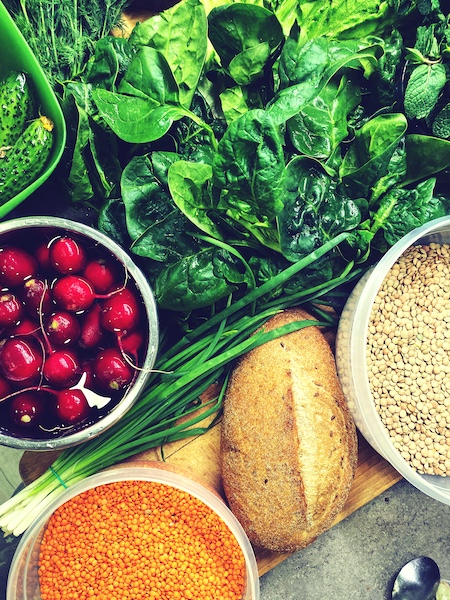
{"points": [[183, 373]]}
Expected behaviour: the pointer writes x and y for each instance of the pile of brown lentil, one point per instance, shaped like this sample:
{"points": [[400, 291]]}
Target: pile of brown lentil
{"points": [[139, 540], [408, 356]]}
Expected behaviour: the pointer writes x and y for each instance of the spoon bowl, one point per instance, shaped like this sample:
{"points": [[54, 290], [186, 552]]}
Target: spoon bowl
{"points": [[418, 579]]}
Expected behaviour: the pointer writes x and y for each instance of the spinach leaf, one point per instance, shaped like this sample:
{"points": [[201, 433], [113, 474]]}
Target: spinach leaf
{"points": [[198, 280], [395, 174], [112, 56], [157, 228], [133, 119], [249, 167], [348, 18], [302, 82], [94, 170], [187, 185], [80, 184], [316, 208], [234, 103], [180, 35], [322, 57], [369, 155], [383, 82], [244, 36], [402, 210], [112, 221], [150, 77], [322, 125], [426, 156], [147, 101], [191, 138], [305, 63]]}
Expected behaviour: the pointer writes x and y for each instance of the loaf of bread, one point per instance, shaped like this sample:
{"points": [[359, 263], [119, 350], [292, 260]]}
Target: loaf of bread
{"points": [[288, 442]]}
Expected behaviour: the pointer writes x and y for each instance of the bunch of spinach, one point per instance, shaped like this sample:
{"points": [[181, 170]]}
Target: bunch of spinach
{"points": [[224, 141], [253, 143]]}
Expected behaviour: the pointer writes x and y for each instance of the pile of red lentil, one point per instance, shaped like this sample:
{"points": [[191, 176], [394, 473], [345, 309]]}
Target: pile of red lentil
{"points": [[408, 356], [139, 540]]}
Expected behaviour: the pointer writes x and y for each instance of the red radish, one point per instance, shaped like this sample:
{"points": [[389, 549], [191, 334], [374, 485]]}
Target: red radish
{"points": [[42, 254], [11, 309], [72, 406], [131, 343], [5, 387], [26, 409], [120, 312], [102, 273], [75, 333], [73, 293], [37, 297], [111, 371], [62, 328], [21, 359], [16, 265], [91, 334], [67, 255], [61, 369], [25, 326]]}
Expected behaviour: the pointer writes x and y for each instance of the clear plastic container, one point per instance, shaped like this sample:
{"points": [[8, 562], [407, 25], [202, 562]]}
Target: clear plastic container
{"points": [[23, 579], [17, 56], [53, 226], [351, 346]]}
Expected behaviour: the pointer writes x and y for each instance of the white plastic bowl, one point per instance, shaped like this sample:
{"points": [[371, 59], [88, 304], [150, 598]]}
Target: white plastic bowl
{"points": [[23, 580], [351, 347]]}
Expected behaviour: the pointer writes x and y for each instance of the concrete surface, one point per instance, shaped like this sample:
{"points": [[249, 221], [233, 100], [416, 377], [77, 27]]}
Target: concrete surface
{"points": [[359, 558]]}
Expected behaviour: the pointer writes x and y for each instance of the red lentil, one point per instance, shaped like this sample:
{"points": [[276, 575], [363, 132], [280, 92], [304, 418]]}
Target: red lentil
{"points": [[139, 540]]}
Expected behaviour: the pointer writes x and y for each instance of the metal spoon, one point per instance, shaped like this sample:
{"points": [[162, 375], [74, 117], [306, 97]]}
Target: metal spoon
{"points": [[417, 580]]}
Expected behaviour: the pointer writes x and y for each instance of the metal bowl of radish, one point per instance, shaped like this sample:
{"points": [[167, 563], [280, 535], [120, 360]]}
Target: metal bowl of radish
{"points": [[78, 333]]}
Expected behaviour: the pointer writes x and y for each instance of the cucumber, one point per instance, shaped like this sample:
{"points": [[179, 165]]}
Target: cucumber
{"points": [[17, 107], [24, 162]]}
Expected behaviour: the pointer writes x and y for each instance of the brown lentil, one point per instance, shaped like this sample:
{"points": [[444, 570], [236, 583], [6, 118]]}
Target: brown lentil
{"points": [[139, 540], [408, 356]]}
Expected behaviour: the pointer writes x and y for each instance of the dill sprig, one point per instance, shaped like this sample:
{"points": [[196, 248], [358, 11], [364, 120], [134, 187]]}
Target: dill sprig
{"points": [[62, 33]]}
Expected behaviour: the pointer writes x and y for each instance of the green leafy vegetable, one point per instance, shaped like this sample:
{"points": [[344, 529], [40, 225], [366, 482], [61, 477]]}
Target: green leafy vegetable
{"points": [[374, 145], [424, 87], [180, 36], [249, 167]]}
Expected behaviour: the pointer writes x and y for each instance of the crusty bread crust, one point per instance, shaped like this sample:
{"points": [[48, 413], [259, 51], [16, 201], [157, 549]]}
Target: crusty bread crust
{"points": [[288, 442]]}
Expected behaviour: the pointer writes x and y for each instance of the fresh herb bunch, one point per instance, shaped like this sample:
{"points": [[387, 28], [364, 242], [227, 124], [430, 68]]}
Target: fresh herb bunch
{"points": [[63, 34], [427, 72]]}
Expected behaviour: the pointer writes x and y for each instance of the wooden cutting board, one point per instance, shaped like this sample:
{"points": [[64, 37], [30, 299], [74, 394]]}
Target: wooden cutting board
{"points": [[200, 456]]}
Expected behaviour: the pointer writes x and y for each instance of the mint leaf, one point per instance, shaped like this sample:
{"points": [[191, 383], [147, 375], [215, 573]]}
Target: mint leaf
{"points": [[423, 90], [441, 124]]}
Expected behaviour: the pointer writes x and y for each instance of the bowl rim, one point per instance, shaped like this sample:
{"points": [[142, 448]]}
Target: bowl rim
{"points": [[370, 417], [112, 417], [144, 473]]}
